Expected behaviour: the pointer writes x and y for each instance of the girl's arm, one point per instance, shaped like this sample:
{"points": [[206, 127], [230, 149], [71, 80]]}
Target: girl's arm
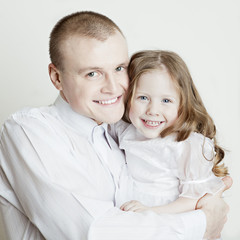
{"points": [[182, 204]]}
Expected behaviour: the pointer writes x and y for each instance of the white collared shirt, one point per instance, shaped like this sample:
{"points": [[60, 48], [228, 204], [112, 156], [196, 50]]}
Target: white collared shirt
{"points": [[59, 175]]}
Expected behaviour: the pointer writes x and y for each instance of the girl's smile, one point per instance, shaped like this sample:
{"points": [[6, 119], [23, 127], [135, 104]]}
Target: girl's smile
{"points": [[155, 103]]}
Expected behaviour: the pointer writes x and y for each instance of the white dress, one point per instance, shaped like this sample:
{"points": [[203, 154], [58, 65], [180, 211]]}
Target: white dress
{"points": [[163, 169]]}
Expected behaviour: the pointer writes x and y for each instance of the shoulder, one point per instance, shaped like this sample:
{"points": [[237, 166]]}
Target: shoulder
{"points": [[29, 118], [118, 128], [29, 112], [198, 146], [121, 125], [36, 127], [196, 143], [200, 140], [197, 139]]}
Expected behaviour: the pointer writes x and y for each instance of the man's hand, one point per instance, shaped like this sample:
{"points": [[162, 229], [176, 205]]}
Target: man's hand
{"points": [[215, 210], [134, 206]]}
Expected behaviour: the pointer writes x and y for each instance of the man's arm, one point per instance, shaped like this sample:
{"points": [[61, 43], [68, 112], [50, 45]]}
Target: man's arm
{"points": [[14, 224], [119, 225], [30, 198], [189, 226], [113, 224], [215, 210]]}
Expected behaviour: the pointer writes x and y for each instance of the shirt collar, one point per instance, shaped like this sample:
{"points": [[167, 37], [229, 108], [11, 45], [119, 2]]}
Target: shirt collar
{"points": [[85, 125], [74, 120]]}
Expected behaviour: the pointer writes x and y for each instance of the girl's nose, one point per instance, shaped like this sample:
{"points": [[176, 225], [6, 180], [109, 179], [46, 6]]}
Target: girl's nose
{"points": [[153, 110]]}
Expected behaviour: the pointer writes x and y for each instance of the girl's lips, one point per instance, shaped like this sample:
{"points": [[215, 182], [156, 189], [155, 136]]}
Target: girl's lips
{"points": [[151, 124]]}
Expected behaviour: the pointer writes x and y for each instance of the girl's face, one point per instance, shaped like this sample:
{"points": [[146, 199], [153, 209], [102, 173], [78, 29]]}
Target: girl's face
{"points": [[155, 103]]}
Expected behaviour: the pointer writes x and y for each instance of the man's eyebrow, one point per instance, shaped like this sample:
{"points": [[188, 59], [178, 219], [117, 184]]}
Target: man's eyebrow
{"points": [[126, 63], [93, 68], [89, 69]]}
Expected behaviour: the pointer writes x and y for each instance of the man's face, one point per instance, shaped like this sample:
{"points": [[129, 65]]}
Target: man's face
{"points": [[94, 79]]}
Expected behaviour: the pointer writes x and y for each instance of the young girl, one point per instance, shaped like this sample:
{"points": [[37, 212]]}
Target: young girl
{"points": [[170, 145]]}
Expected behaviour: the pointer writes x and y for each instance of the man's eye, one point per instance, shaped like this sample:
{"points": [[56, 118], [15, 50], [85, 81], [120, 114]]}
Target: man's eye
{"points": [[92, 74], [165, 100]]}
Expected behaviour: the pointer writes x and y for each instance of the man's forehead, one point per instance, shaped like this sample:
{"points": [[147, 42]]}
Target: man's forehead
{"points": [[80, 38], [83, 53]]}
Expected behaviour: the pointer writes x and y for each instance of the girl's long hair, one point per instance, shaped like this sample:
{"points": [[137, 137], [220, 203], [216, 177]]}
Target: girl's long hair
{"points": [[192, 115]]}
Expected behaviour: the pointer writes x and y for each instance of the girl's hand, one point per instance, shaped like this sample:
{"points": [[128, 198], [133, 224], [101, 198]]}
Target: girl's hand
{"points": [[134, 206]]}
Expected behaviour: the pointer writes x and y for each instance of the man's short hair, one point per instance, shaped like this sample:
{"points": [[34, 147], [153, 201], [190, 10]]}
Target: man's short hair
{"points": [[86, 24]]}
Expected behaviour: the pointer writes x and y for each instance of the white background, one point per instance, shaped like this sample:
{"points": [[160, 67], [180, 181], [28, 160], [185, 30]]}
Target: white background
{"points": [[206, 33]]}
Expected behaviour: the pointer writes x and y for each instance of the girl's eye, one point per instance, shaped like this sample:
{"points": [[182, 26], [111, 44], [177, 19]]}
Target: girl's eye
{"points": [[166, 100], [143, 98], [119, 69]]}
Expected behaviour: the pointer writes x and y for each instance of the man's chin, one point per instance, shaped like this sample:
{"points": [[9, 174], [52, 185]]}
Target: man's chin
{"points": [[112, 119]]}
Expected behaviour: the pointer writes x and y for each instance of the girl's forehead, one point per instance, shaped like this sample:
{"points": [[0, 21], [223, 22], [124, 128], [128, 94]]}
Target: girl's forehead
{"points": [[154, 77]]}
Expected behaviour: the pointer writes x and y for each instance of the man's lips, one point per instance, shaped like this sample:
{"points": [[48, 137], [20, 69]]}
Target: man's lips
{"points": [[108, 101]]}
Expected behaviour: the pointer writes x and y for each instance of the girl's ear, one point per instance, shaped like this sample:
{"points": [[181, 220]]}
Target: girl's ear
{"points": [[55, 76]]}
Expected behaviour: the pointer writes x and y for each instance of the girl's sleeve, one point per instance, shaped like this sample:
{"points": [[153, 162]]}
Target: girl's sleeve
{"points": [[195, 167]]}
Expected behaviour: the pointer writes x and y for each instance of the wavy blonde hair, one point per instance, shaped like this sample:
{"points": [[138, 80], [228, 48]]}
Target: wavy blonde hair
{"points": [[192, 115]]}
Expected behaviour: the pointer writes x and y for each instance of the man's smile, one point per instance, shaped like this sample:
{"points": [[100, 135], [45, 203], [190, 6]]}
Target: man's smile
{"points": [[108, 101]]}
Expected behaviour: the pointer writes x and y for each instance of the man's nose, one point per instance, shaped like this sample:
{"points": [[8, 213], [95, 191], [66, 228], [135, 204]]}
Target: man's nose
{"points": [[110, 84]]}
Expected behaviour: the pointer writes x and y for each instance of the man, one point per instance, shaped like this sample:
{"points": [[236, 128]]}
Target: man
{"points": [[60, 170]]}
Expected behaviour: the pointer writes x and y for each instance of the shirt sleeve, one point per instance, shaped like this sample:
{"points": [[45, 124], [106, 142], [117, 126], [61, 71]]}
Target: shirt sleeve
{"points": [[43, 209], [119, 225], [195, 167], [30, 199], [14, 224]]}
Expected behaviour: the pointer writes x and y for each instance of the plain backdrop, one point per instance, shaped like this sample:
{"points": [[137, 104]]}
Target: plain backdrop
{"points": [[206, 34]]}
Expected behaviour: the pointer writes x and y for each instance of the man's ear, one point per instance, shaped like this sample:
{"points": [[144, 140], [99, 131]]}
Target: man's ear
{"points": [[55, 76]]}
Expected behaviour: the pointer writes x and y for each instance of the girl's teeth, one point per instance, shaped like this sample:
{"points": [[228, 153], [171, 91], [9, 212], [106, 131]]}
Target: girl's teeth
{"points": [[108, 101], [151, 123]]}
